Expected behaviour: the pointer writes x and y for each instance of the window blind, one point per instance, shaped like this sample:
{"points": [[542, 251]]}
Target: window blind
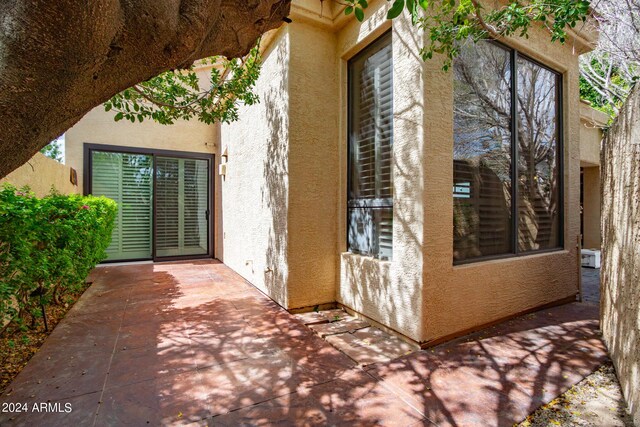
{"points": [[181, 206], [370, 195], [127, 179]]}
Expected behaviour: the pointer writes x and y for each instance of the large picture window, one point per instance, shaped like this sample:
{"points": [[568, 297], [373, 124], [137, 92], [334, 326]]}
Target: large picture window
{"points": [[507, 167], [370, 188]]}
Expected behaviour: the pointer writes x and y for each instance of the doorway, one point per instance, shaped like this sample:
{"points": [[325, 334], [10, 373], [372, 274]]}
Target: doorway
{"points": [[164, 201]]}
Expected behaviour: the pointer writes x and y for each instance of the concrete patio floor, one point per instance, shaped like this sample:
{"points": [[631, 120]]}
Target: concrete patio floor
{"points": [[192, 342]]}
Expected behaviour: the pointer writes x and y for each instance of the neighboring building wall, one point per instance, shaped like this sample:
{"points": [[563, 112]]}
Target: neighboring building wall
{"points": [[591, 124], [591, 206], [255, 190], [41, 174], [620, 274]]}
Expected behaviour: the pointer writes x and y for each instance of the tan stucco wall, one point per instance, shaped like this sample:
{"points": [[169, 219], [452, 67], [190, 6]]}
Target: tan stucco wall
{"points": [[420, 293], [255, 190], [41, 173], [591, 124], [620, 274], [98, 127], [314, 172], [390, 292], [302, 132], [458, 298], [590, 137], [591, 207]]}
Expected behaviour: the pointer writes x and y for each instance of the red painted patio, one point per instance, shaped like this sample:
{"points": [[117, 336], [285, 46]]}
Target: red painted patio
{"points": [[193, 343]]}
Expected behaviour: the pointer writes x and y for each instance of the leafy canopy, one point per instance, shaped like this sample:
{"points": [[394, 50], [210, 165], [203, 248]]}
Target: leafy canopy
{"points": [[609, 72], [606, 83], [53, 150], [449, 22], [179, 94]]}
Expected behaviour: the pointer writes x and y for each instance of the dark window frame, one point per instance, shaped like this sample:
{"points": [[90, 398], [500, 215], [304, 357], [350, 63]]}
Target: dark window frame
{"points": [[514, 54], [376, 45], [89, 148]]}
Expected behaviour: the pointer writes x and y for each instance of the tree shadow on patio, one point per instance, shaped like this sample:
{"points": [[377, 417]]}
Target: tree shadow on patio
{"points": [[219, 348], [500, 375]]}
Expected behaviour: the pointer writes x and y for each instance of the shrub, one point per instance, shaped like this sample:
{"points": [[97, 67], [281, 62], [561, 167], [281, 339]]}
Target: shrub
{"points": [[48, 246]]}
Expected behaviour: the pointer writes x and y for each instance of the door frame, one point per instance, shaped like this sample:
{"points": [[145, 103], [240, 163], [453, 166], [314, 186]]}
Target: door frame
{"points": [[89, 148]]}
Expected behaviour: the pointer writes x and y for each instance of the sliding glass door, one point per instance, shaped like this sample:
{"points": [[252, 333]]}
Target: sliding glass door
{"points": [[127, 179], [163, 201], [182, 207]]}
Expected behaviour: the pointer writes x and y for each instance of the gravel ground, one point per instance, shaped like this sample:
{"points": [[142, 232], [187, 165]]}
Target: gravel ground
{"points": [[595, 401]]}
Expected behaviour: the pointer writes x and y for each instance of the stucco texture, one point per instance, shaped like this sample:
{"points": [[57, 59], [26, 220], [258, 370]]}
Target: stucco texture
{"points": [[314, 172], [279, 195], [620, 274], [390, 292], [42, 174], [592, 121], [591, 206], [420, 293], [255, 190], [290, 201], [459, 298], [591, 124]]}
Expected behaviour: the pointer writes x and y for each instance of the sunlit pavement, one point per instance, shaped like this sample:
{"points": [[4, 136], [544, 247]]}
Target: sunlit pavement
{"points": [[193, 342]]}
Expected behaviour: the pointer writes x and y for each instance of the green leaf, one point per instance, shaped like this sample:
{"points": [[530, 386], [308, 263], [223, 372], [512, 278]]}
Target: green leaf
{"points": [[424, 4], [118, 116], [396, 9], [348, 10], [359, 14]]}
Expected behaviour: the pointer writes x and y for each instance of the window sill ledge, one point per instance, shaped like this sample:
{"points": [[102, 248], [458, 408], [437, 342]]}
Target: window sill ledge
{"points": [[364, 258], [511, 258]]}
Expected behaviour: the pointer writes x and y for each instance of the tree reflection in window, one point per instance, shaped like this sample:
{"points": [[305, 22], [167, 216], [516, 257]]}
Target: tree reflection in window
{"points": [[538, 183], [484, 215]]}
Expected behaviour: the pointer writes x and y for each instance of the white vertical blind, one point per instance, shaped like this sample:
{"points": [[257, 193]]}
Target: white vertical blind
{"points": [[127, 179], [370, 201], [181, 206]]}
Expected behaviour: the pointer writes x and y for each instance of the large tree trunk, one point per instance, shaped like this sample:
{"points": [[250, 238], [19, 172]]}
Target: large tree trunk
{"points": [[61, 58]]}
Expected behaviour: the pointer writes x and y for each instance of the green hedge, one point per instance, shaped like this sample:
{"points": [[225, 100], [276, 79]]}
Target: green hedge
{"points": [[48, 246]]}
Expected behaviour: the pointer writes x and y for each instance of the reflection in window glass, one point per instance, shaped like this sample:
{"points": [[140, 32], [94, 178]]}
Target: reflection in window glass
{"points": [[482, 151], [538, 185], [485, 221]]}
